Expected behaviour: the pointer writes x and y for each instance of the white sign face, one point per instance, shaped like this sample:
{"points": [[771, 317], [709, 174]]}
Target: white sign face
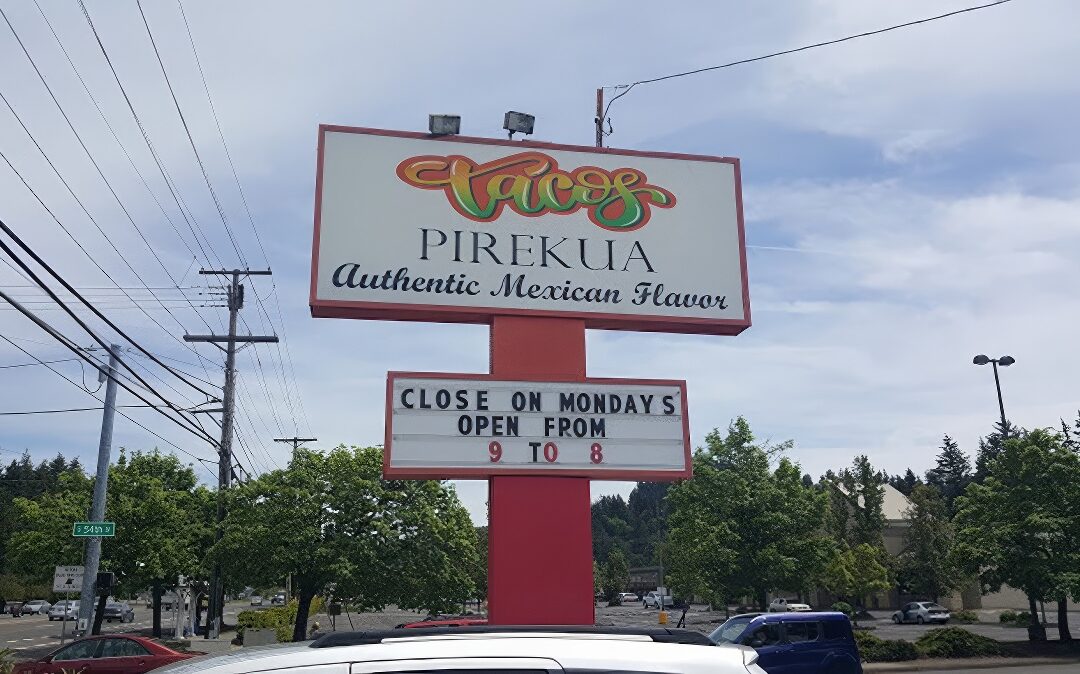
{"points": [[415, 227], [68, 579], [459, 426]]}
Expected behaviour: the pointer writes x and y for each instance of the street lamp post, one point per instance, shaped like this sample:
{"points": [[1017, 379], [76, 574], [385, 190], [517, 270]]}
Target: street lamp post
{"points": [[1004, 361]]}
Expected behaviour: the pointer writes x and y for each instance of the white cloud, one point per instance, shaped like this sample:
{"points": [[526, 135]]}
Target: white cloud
{"points": [[861, 343]]}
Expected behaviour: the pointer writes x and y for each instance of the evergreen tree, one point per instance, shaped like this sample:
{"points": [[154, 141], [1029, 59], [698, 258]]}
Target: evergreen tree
{"points": [[926, 564], [991, 446], [952, 474], [905, 483]]}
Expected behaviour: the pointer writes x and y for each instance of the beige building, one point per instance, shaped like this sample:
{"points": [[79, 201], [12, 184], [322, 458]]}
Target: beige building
{"points": [[894, 506]]}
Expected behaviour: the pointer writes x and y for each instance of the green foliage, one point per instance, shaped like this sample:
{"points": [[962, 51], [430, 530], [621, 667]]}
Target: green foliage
{"points": [[480, 567], [965, 616], [856, 573], [22, 588], [956, 642], [1021, 525], [951, 474], [926, 566], [1007, 616], [331, 518], [7, 660], [856, 515], [165, 520], [741, 528], [22, 479], [41, 528], [616, 575], [876, 649], [844, 607], [1023, 619], [905, 483], [282, 619]]}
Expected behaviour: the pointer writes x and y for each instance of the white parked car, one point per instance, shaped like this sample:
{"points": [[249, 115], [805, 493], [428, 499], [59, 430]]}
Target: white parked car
{"points": [[487, 649], [779, 605], [653, 600], [627, 597], [64, 610], [36, 607], [922, 612]]}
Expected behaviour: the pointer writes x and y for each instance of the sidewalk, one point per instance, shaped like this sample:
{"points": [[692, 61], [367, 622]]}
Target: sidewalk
{"points": [[953, 664]]}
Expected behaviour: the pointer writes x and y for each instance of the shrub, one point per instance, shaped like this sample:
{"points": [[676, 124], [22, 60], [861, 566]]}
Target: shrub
{"points": [[1023, 619], [843, 607], [1007, 616], [966, 616], [279, 618], [876, 649], [6, 662], [956, 642]]}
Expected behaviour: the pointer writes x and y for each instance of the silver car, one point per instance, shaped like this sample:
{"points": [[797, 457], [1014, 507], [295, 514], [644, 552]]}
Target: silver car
{"points": [[64, 610], [36, 607], [921, 612]]}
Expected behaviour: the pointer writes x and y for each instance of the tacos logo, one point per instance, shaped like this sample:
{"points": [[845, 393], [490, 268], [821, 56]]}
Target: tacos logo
{"points": [[532, 184]]}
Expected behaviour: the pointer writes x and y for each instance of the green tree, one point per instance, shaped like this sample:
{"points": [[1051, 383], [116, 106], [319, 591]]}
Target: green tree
{"points": [[951, 474], [41, 528], [905, 483], [1019, 526], [164, 521], [854, 573], [926, 564], [480, 569], [739, 527], [616, 575], [992, 445], [332, 518]]}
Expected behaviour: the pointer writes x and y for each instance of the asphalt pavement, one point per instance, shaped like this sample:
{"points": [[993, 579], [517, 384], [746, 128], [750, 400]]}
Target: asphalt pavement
{"points": [[35, 636]]}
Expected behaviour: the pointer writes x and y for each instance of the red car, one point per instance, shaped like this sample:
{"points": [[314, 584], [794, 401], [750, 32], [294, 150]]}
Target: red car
{"points": [[446, 622], [105, 654]]}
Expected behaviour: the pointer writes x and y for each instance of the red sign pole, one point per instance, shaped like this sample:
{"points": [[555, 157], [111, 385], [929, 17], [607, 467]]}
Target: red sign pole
{"points": [[539, 528]]}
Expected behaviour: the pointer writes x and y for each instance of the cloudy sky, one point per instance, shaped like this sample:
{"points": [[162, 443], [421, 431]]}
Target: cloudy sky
{"points": [[911, 200]]}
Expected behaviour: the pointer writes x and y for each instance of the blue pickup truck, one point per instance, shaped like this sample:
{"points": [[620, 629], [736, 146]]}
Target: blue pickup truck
{"points": [[795, 643]]}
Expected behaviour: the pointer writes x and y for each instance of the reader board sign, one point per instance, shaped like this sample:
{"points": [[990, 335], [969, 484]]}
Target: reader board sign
{"points": [[456, 229], [474, 426], [68, 578]]}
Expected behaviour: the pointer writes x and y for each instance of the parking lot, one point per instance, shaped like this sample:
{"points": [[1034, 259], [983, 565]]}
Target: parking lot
{"points": [[703, 620]]}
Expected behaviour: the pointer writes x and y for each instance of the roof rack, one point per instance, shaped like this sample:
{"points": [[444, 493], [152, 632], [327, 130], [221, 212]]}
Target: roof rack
{"points": [[657, 634]]}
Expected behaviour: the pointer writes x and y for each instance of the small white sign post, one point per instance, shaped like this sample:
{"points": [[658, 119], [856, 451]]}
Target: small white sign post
{"points": [[67, 580]]}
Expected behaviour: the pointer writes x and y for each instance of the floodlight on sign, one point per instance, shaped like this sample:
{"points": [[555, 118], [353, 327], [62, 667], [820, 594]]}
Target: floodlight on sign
{"points": [[444, 125], [518, 122]]}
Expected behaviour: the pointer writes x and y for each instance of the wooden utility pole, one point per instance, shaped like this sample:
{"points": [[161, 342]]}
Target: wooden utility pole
{"points": [[296, 442], [235, 293], [600, 117]]}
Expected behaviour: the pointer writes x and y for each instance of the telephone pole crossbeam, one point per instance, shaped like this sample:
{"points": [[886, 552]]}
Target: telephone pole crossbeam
{"points": [[235, 295]]}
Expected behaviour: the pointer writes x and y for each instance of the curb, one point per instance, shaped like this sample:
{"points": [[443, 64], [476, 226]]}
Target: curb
{"points": [[941, 664]]}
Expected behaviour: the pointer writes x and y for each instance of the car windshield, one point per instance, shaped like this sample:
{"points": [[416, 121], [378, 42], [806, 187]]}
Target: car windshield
{"points": [[730, 631]]}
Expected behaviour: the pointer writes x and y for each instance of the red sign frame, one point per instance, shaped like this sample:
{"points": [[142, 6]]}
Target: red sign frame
{"points": [[388, 311], [483, 473]]}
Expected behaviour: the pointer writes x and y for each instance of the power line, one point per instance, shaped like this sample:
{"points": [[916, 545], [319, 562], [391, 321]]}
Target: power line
{"points": [[191, 140], [908, 24], [47, 362], [221, 211], [65, 341], [202, 461], [71, 409], [71, 289]]}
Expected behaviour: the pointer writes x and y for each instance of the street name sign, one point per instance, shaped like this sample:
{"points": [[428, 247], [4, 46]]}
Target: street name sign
{"points": [[68, 578], [85, 529], [410, 226], [473, 426]]}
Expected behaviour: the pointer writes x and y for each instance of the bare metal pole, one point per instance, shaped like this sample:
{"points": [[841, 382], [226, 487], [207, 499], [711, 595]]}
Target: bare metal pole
{"points": [[92, 558]]}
